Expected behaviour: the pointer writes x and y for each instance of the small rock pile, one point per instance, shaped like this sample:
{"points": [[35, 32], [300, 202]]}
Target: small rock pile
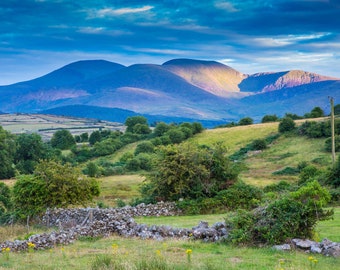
{"points": [[325, 247]]}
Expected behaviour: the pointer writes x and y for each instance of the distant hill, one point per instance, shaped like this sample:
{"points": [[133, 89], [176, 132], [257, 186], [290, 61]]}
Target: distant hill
{"points": [[120, 115], [178, 89]]}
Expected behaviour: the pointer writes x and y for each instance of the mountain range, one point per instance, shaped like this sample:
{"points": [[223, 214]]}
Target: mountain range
{"points": [[178, 89]]}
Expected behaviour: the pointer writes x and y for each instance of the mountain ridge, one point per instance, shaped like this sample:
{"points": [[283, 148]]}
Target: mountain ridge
{"points": [[182, 88]]}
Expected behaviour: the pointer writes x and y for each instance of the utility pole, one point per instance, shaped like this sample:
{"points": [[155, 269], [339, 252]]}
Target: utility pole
{"points": [[332, 125]]}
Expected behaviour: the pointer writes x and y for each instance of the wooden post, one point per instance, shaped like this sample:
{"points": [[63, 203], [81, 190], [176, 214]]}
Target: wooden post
{"points": [[333, 134]]}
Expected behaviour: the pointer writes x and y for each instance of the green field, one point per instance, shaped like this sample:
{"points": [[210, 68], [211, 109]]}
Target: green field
{"points": [[131, 253]]}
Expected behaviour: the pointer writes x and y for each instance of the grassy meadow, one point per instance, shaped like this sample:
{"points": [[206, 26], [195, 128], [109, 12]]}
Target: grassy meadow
{"points": [[115, 252]]}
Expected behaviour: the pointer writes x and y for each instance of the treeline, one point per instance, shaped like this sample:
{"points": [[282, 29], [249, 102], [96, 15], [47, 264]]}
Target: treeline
{"points": [[316, 112]]}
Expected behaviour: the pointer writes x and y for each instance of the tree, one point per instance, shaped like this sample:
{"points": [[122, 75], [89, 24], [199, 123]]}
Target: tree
{"points": [[337, 109], [95, 137], [246, 121], [30, 149], [145, 147], [62, 139], [130, 122], [161, 128], [317, 112], [269, 118], [84, 137], [286, 124], [52, 185], [190, 172], [7, 152]]}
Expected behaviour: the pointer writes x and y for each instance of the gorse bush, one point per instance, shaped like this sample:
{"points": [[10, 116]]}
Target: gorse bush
{"points": [[293, 216]]}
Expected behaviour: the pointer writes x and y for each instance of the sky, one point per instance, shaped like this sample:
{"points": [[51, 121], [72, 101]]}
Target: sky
{"points": [[39, 36]]}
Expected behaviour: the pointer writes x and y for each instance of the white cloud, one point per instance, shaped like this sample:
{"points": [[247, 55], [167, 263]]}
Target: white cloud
{"points": [[286, 40], [109, 12], [227, 6]]}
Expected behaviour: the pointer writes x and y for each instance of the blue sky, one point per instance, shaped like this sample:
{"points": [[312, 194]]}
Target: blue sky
{"points": [[38, 36]]}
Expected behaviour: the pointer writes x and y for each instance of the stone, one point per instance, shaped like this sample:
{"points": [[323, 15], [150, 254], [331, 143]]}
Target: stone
{"points": [[283, 247]]}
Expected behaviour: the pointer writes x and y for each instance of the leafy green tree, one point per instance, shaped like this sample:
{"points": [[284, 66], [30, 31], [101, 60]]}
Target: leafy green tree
{"points": [[175, 135], [317, 112], [7, 153], [106, 147], [52, 185], [196, 128], [337, 109], [269, 118], [333, 178], [286, 124], [246, 121], [84, 137], [92, 169], [130, 122], [145, 147], [63, 139], [293, 116], [5, 198], [141, 129], [95, 137], [161, 128], [190, 172], [30, 149]]}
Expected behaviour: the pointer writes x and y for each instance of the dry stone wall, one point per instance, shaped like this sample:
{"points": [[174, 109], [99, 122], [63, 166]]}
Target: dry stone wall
{"points": [[93, 222]]}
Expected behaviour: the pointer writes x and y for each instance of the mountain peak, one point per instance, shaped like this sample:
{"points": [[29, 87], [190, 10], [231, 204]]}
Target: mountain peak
{"points": [[213, 77]]}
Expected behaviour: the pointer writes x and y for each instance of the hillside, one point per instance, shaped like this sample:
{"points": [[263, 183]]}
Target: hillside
{"points": [[181, 88]]}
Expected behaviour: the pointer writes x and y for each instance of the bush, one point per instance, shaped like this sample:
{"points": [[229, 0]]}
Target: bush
{"points": [[259, 144], [52, 185], [328, 144], [308, 173], [246, 121], [293, 216], [287, 124], [240, 195], [189, 171], [281, 186], [145, 147], [269, 118], [287, 171]]}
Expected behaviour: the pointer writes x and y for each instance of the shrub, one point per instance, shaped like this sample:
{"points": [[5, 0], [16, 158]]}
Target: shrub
{"points": [[145, 147], [190, 171], [287, 124], [259, 144], [269, 118], [287, 171], [52, 185], [328, 144], [240, 195], [246, 121], [333, 178], [308, 173], [281, 186], [293, 216]]}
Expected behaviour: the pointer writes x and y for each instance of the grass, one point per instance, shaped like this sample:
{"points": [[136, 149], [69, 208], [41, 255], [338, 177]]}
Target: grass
{"points": [[236, 137], [124, 187], [170, 254]]}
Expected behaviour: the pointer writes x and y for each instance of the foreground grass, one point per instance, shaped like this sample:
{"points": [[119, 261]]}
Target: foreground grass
{"points": [[121, 253], [116, 252]]}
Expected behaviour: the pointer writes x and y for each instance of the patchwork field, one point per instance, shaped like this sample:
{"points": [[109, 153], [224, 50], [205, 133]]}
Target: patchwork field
{"points": [[46, 125]]}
